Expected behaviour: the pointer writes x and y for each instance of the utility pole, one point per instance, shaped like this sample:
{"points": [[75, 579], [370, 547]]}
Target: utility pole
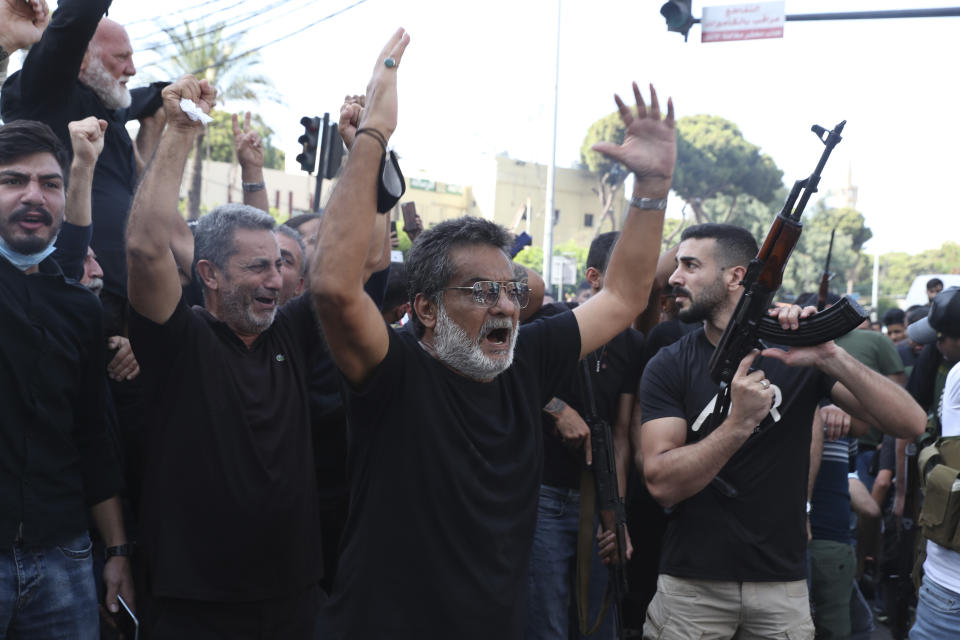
{"points": [[551, 168]]}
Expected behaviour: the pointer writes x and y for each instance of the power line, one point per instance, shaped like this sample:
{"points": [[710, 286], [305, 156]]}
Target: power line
{"points": [[212, 12], [281, 38], [263, 46], [221, 27], [228, 22]]}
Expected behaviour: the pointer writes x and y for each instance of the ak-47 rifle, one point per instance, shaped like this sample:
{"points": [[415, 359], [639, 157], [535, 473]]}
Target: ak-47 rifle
{"points": [[824, 289], [610, 506], [751, 321]]}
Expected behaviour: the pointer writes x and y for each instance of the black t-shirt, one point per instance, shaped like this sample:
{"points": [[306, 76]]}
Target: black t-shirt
{"points": [[444, 477], [665, 334], [619, 372], [229, 500], [761, 534]]}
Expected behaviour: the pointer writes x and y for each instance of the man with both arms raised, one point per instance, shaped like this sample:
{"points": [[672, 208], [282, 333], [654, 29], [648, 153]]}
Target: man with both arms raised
{"points": [[446, 451]]}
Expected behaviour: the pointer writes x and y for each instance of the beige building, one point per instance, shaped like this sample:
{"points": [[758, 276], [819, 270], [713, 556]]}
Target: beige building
{"points": [[510, 192]]}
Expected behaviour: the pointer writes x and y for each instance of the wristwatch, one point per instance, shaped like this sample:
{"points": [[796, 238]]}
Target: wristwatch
{"points": [[125, 550]]}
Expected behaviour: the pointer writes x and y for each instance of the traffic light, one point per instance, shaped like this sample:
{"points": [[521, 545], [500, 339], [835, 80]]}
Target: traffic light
{"points": [[310, 142], [679, 16], [334, 152]]}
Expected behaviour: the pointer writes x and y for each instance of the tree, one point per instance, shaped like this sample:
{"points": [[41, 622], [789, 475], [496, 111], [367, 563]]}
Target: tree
{"points": [[898, 269], [809, 257], [610, 173], [208, 53], [714, 160]]}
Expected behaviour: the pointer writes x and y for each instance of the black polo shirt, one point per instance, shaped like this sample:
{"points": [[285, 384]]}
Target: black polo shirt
{"points": [[56, 457], [229, 501]]}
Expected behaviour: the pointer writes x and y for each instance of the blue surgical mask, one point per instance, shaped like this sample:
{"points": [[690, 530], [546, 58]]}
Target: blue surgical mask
{"points": [[24, 261]]}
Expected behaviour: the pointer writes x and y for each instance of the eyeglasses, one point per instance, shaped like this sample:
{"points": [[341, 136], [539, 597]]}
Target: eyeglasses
{"points": [[487, 292]]}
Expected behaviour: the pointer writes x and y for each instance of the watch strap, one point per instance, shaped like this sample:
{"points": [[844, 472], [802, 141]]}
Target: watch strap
{"points": [[657, 204], [124, 550]]}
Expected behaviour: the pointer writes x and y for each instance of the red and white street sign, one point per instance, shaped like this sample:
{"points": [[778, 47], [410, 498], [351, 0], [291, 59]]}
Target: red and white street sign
{"points": [[752, 21]]}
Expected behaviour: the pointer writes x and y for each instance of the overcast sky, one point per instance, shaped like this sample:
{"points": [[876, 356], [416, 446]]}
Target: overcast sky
{"points": [[478, 80]]}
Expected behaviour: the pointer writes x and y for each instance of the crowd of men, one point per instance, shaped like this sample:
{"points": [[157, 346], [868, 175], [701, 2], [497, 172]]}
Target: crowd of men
{"points": [[272, 432]]}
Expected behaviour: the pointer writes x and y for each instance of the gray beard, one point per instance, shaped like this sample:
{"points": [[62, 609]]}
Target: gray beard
{"points": [[456, 350], [112, 94], [234, 308]]}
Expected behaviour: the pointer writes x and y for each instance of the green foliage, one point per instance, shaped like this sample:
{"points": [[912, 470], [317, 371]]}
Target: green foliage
{"points": [[714, 159], [898, 270], [219, 140], [531, 257], [809, 258], [211, 55], [208, 53], [607, 129]]}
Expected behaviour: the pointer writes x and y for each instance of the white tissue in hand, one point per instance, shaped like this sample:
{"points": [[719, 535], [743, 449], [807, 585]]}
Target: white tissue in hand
{"points": [[194, 112]]}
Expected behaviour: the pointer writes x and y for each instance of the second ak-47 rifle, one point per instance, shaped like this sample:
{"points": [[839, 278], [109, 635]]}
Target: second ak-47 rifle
{"points": [[824, 289], [610, 506], [750, 320]]}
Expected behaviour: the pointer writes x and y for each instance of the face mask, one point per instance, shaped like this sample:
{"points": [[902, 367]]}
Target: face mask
{"points": [[25, 261]]}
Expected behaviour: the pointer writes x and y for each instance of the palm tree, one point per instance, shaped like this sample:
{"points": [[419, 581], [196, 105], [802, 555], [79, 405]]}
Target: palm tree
{"points": [[210, 54]]}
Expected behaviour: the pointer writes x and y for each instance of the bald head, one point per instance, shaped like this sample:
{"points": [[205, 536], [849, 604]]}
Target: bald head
{"points": [[108, 64]]}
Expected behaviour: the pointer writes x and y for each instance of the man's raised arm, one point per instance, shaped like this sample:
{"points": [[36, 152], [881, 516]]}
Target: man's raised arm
{"points": [[53, 64], [649, 150], [352, 323], [153, 283]]}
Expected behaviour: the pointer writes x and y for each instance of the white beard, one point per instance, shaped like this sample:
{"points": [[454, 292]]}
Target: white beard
{"points": [[112, 94], [455, 348]]}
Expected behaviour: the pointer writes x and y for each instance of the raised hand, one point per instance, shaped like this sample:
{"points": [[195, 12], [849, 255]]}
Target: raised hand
{"points": [[350, 114], [22, 23], [187, 87], [247, 143], [380, 112], [649, 147], [86, 138]]}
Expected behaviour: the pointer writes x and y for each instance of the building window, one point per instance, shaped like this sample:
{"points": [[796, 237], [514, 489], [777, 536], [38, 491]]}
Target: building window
{"points": [[588, 219]]}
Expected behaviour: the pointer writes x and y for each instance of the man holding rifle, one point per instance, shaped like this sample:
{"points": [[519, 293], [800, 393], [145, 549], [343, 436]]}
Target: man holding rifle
{"points": [[445, 452], [736, 537]]}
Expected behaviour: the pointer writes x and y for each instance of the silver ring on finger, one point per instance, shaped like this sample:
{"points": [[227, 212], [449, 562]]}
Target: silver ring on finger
{"points": [[390, 63], [765, 384]]}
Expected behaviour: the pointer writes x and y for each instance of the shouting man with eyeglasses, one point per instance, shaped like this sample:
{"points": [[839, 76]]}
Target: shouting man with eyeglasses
{"points": [[446, 445]]}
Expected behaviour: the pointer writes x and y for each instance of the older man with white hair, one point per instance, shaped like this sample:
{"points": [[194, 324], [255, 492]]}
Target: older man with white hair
{"points": [[80, 68]]}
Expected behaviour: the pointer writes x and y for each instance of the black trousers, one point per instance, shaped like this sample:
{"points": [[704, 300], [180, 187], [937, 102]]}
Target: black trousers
{"points": [[290, 618]]}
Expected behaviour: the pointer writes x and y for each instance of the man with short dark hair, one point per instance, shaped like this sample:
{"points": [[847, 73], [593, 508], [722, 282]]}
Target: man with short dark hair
{"points": [[57, 461], [80, 68], [895, 322], [230, 522], [934, 286], [445, 452], [733, 561]]}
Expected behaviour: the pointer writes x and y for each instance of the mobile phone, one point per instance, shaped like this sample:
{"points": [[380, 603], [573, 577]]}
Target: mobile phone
{"points": [[127, 622], [409, 210]]}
